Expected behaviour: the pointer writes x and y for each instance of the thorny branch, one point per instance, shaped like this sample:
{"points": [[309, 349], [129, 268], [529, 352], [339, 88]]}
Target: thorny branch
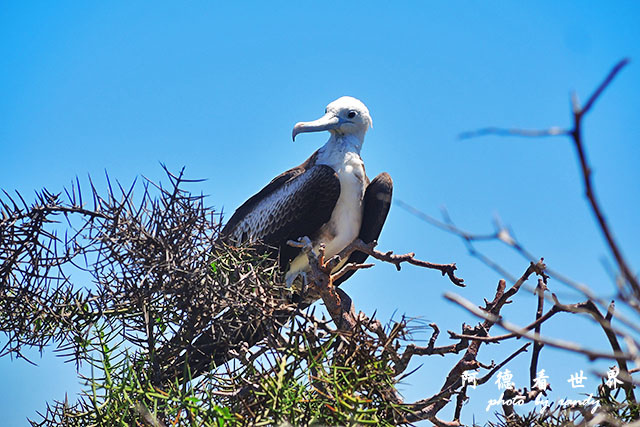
{"points": [[163, 287]]}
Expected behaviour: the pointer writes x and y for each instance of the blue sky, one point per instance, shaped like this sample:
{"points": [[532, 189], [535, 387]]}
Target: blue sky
{"points": [[217, 87]]}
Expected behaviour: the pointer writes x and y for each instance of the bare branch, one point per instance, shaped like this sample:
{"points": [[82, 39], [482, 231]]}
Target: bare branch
{"points": [[566, 345], [576, 135], [554, 131], [537, 346], [499, 366], [397, 260]]}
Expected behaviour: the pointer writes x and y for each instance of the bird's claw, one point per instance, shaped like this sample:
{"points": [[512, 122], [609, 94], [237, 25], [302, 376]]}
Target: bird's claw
{"points": [[303, 242]]}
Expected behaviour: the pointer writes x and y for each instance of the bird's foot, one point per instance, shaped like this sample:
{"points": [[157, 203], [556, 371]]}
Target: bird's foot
{"points": [[299, 279], [303, 243], [304, 282]]}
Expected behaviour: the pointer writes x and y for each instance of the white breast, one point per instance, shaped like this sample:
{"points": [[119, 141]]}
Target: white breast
{"points": [[344, 225]]}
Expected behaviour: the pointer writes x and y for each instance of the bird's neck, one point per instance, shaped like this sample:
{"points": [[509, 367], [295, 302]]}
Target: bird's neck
{"points": [[342, 144]]}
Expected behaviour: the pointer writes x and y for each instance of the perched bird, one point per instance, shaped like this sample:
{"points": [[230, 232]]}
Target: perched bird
{"points": [[328, 198]]}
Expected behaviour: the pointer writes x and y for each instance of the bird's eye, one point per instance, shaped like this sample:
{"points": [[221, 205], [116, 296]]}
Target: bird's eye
{"points": [[351, 114], [326, 110]]}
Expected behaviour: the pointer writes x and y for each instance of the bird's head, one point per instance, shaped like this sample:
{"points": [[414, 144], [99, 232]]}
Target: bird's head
{"points": [[344, 116]]}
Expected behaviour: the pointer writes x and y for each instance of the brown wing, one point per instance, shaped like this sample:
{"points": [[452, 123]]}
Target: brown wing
{"points": [[294, 204]]}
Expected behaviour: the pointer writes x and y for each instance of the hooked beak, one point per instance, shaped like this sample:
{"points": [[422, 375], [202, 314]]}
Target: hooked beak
{"points": [[327, 122]]}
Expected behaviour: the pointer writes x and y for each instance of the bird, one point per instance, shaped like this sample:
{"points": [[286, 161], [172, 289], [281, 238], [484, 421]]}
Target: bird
{"points": [[328, 198]]}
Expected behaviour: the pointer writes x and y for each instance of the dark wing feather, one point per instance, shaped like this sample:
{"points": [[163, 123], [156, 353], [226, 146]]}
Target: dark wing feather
{"points": [[377, 202], [231, 228], [305, 211], [294, 204], [240, 214]]}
